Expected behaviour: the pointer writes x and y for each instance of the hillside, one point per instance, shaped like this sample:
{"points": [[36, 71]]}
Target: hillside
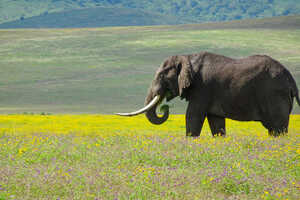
{"points": [[103, 17], [187, 10], [94, 17], [107, 70], [283, 22]]}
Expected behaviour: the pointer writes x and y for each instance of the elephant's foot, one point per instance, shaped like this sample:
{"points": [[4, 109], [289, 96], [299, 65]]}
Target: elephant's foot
{"points": [[278, 132], [278, 126], [193, 128], [193, 134], [217, 125], [219, 133]]}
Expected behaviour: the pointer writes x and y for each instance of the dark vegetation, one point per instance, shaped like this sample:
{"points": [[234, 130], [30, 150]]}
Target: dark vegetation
{"points": [[146, 12], [93, 17], [106, 17]]}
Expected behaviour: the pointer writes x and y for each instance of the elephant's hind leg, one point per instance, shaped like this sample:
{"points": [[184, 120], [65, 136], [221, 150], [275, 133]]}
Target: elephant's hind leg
{"points": [[276, 119], [277, 126], [217, 125]]}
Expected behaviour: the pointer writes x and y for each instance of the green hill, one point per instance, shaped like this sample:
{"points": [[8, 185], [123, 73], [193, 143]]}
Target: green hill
{"points": [[107, 70], [94, 17], [185, 10], [283, 22]]}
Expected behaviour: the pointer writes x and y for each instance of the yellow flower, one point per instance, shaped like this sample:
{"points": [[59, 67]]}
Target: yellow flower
{"points": [[22, 150]]}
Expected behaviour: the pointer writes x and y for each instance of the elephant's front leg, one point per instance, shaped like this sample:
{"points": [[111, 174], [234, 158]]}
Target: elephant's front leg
{"points": [[217, 125], [195, 116]]}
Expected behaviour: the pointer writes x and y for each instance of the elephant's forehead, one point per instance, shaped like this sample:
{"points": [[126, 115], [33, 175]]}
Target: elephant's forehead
{"points": [[164, 70], [159, 70]]}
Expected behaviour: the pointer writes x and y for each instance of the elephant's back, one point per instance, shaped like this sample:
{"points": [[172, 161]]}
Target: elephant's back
{"points": [[245, 83], [256, 70]]}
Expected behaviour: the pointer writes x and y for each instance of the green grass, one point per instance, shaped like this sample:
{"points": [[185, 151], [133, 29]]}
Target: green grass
{"points": [[109, 157], [107, 70]]}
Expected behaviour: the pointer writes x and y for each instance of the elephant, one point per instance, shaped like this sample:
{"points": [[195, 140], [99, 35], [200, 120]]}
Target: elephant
{"points": [[254, 88]]}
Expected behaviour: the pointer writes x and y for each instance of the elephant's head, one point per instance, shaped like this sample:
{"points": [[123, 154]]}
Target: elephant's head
{"points": [[172, 79]]}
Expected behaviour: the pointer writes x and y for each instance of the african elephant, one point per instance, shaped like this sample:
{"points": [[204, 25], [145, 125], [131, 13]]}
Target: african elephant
{"points": [[255, 88]]}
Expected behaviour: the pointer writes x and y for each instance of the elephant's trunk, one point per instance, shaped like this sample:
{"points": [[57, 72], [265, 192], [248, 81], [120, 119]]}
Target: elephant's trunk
{"points": [[151, 103], [151, 113]]}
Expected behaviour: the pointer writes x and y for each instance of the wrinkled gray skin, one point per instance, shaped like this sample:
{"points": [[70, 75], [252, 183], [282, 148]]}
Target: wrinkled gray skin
{"points": [[256, 88]]}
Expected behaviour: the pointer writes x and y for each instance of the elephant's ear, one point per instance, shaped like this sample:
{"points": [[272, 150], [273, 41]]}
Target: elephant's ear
{"points": [[185, 75]]}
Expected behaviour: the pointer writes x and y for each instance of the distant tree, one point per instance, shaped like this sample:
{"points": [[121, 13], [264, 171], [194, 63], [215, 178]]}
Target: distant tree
{"points": [[286, 12], [193, 3], [113, 1], [238, 17]]}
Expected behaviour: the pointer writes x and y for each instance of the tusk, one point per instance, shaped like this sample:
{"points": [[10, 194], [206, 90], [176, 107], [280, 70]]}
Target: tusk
{"points": [[150, 105]]}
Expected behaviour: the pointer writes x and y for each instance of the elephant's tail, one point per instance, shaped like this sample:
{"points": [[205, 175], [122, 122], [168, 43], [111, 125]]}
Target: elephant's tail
{"points": [[297, 98], [295, 93], [293, 87]]}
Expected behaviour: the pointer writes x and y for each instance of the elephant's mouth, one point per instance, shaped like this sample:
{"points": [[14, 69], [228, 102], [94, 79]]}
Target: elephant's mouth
{"points": [[170, 95]]}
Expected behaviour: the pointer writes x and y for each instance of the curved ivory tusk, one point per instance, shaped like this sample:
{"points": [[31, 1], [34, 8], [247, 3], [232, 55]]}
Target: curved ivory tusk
{"points": [[150, 105]]}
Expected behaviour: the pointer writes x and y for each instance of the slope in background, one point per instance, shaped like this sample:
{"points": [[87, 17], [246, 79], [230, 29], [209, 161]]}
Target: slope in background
{"points": [[107, 70], [188, 11], [94, 17]]}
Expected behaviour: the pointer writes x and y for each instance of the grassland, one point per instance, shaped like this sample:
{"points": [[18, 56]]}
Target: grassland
{"points": [[107, 70], [109, 157]]}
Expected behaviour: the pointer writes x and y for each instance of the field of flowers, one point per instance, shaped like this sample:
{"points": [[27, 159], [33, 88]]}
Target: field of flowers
{"points": [[109, 157]]}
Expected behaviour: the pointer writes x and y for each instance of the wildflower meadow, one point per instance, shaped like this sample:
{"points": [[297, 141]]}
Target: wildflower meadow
{"points": [[110, 157]]}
